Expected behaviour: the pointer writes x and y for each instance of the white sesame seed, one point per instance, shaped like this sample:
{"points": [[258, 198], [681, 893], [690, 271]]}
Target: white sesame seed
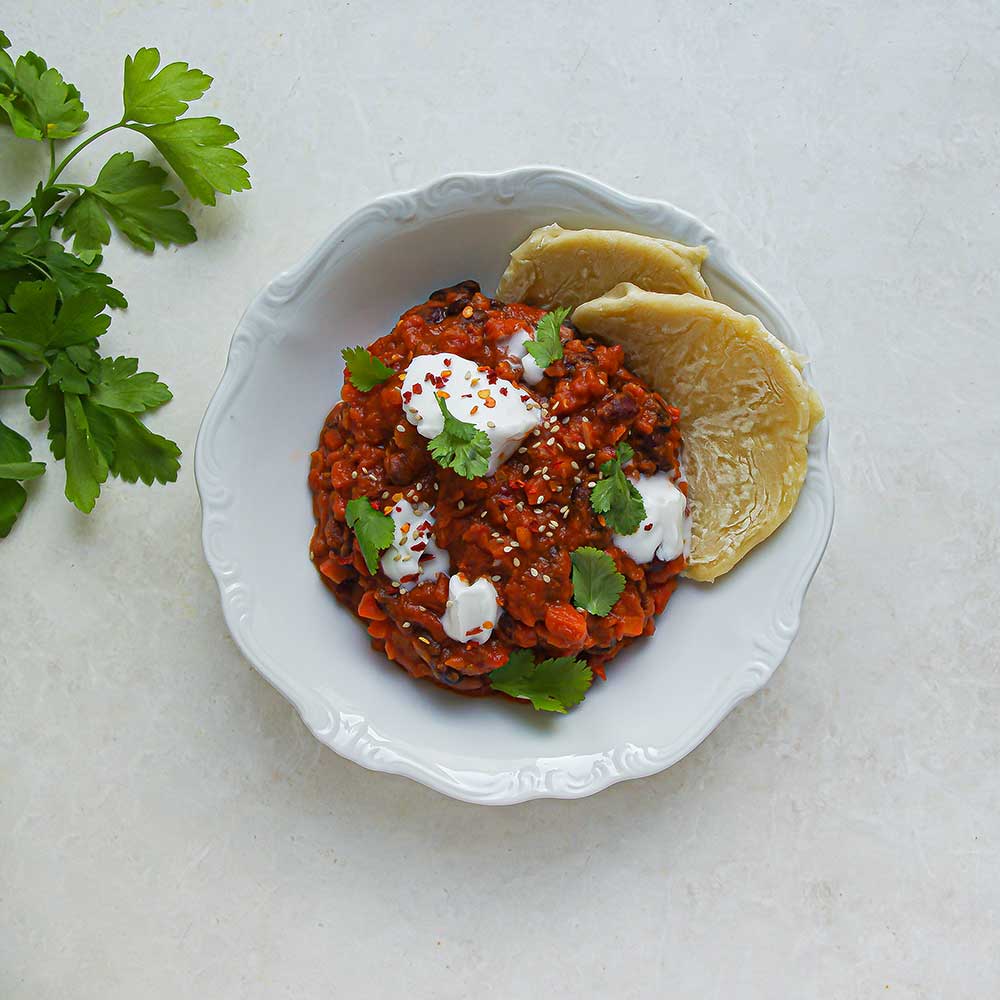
{"points": [[400, 428], [461, 505], [495, 579], [506, 548], [546, 579], [489, 423], [517, 562], [534, 572]]}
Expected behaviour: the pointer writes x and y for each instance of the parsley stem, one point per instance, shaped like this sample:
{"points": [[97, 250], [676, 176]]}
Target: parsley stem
{"points": [[79, 148], [55, 171]]}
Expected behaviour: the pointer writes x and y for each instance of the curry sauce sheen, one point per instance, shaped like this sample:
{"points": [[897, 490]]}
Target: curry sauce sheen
{"points": [[517, 527]]}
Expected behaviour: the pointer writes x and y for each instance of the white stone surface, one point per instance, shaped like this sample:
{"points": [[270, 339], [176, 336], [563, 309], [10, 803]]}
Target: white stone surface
{"points": [[168, 827]]}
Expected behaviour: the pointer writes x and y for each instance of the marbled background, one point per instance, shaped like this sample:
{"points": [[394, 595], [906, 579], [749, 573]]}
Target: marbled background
{"points": [[168, 828]]}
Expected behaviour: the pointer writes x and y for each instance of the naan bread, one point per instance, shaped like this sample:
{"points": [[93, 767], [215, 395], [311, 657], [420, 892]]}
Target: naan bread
{"points": [[564, 267], [746, 412]]}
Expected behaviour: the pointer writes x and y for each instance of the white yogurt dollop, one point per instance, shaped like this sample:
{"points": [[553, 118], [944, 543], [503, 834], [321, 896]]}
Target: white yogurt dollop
{"points": [[504, 412], [413, 556], [533, 373], [662, 535], [472, 610]]}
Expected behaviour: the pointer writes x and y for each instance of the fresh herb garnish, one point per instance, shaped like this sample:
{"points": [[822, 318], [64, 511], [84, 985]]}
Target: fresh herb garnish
{"points": [[363, 369], [597, 584], [616, 496], [53, 302], [546, 346], [460, 446], [373, 530], [551, 686], [15, 467]]}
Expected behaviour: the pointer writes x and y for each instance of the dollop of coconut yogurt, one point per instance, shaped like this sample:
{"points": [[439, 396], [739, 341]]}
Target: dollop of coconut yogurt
{"points": [[413, 555], [502, 410], [516, 346], [663, 534], [472, 610]]}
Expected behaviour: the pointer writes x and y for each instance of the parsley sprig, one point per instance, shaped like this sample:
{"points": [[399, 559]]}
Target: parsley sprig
{"points": [[616, 497], [460, 446], [54, 300], [597, 584], [546, 347], [374, 530], [551, 686], [364, 370]]}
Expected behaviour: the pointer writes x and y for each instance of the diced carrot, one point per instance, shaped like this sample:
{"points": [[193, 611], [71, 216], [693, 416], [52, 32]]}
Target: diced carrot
{"points": [[369, 608], [379, 630], [632, 624], [567, 625], [334, 571], [523, 536]]}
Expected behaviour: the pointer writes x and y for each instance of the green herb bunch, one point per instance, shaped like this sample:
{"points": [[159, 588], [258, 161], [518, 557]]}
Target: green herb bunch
{"points": [[54, 298]]}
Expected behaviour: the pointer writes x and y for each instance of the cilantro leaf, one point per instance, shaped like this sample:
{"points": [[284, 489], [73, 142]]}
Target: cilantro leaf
{"points": [[597, 584], [122, 387], [616, 496], [38, 102], [15, 464], [86, 466], [551, 686], [131, 194], [198, 150], [365, 371], [159, 99], [547, 345], [373, 530], [460, 446]]}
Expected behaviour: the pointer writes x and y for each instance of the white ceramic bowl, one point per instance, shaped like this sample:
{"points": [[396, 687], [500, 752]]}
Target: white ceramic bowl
{"points": [[714, 646]]}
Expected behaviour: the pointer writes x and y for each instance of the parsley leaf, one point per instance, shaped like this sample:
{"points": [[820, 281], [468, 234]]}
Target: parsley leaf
{"points": [[460, 446], [86, 465], [547, 345], [597, 584], [132, 195], [198, 150], [38, 102], [32, 324], [365, 371], [15, 464], [133, 452], [53, 303], [616, 496], [373, 530], [551, 686], [122, 386], [159, 99], [72, 275]]}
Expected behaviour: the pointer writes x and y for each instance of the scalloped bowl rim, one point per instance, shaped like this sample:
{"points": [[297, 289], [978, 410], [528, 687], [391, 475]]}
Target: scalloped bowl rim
{"points": [[514, 780]]}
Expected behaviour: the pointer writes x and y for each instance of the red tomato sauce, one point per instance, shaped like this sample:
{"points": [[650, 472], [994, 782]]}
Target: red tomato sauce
{"points": [[517, 527]]}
